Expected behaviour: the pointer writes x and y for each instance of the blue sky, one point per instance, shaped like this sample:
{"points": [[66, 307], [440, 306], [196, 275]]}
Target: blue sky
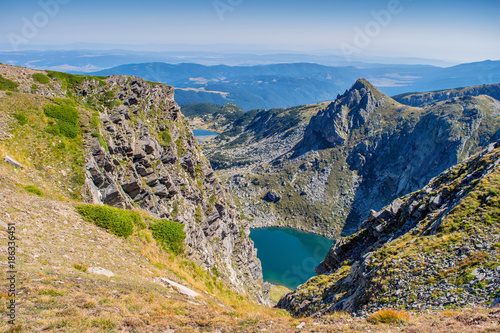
{"points": [[447, 30]]}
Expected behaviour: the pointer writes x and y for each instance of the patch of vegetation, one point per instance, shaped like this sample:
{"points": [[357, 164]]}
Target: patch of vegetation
{"points": [[180, 146], [21, 118], [389, 316], [71, 81], [33, 189], [198, 215], [118, 221], [166, 137], [6, 84], [169, 234], [102, 142], [277, 292], [65, 101], [82, 268], [94, 119], [41, 78], [66, 120]]}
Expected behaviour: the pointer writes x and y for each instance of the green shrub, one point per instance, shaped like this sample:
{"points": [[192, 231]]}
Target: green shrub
{"points": [[21, 118], [41, 78], [33, 189], [166, 137], [65, 113], [102, 142], [169, 234], [53, 129], [118, 221], [66, 117], [6, 84], [9, 93], [68, 130], [94, 120]]}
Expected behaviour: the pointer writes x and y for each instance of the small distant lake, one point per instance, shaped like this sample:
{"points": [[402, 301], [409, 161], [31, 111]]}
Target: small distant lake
{"points": [[202, 133], [289, 256]]}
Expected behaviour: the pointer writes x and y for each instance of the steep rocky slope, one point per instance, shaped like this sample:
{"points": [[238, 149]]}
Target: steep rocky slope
{"points": [[395, 149], [217, 118], [434, 248], [258, 137], [356, 154], [132, 148], [152, 162], [428, 98]]}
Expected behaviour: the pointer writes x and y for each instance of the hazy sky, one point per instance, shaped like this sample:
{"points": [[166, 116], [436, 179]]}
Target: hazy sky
{"points": [[452, 30]]}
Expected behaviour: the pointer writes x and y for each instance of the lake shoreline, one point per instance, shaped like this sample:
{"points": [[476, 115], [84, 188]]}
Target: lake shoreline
{"points": [[293, 228]]}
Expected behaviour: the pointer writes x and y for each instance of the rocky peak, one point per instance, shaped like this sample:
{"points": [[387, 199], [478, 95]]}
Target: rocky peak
{"points": [[332, 126]]}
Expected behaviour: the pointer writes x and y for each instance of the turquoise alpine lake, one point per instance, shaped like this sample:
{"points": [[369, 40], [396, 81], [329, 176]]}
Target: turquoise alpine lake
{"points": [[201, 132], [289, 256]]}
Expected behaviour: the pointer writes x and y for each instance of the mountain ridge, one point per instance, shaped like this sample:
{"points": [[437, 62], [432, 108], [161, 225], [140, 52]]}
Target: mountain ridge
{"points": [[392, 262], [325, 185], [290, 84]]}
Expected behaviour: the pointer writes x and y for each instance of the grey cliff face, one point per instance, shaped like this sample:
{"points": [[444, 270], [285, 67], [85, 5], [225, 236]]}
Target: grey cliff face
{"points": [[150, 160]]}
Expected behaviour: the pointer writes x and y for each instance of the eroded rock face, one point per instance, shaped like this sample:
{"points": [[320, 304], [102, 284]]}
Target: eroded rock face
{"points": [[151, 160]]}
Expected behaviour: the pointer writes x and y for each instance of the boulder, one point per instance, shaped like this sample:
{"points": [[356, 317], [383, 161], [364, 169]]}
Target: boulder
{"points": [[272, 196], [13, 162], [100, 271]]}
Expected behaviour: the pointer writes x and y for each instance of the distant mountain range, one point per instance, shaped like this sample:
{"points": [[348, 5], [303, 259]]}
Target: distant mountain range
{"points": [[287, 85], [257, 80]]}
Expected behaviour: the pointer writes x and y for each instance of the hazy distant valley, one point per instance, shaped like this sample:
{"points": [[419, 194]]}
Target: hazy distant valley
{"points": [[259, 81]]}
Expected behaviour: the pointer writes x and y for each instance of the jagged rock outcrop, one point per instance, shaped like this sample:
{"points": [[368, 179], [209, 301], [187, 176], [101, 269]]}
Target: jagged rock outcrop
{"points": [[434, 248], [349, 111], [146, 156], [272, 196]]}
